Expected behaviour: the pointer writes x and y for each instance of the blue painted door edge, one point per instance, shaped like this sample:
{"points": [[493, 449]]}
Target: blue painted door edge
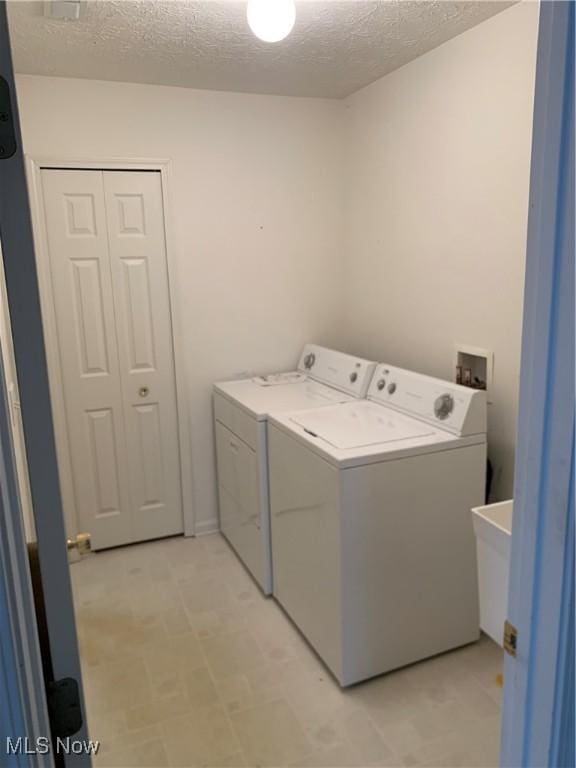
{"points": [[538, 723], [563, 747]]}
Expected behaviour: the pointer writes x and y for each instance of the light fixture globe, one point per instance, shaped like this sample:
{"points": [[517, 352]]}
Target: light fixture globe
{"points": [[271, 20]]}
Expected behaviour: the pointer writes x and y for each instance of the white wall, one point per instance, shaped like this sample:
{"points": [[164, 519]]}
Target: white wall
{"points": [[256, 191], [437, 177]]}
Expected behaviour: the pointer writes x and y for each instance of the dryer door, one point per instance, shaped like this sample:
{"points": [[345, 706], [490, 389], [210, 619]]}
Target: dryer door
{"points": [[240, 512]]}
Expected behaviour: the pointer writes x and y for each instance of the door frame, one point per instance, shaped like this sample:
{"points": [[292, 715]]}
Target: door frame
{"points": [[538, 710], [19, 639], [10, 380], [34, 167], [23, 708]]}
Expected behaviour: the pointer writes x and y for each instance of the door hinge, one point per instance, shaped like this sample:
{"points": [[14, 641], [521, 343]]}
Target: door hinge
{"points": [[64, 708], [510, 638], [7, 136]]}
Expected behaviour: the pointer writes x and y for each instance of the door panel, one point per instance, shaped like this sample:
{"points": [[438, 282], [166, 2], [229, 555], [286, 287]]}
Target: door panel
{"points": [[144, 329], [87, 296], [140, 342], [110, 283], [152, 490], [85, 316], [102, 441]]}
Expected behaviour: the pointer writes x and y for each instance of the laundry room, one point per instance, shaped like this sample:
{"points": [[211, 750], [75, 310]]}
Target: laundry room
{"points": [[331, 228]]}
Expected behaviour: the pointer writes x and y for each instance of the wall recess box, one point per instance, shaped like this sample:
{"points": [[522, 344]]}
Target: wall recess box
{"points": [[480, 363]]}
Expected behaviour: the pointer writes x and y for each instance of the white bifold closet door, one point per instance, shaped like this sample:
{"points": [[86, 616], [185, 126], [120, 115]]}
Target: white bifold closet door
{"points": [[107, 251]]}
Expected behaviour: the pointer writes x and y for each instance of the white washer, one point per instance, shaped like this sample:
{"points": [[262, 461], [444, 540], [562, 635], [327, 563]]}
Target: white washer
{"points": [[372, 540], [241, 409]]}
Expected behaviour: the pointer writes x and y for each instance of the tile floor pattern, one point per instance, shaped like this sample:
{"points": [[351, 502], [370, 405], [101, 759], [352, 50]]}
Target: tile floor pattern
{"points": [[186, 664]]}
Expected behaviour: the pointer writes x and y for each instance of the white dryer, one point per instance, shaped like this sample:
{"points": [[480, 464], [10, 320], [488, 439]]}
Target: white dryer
{"points": [[372, 538], [324, 377]]}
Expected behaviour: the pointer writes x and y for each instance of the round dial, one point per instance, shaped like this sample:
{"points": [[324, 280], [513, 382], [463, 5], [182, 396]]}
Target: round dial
{"points": [[381, 384], [443, 406], [353, 377], [391, 388], [309, 360]]}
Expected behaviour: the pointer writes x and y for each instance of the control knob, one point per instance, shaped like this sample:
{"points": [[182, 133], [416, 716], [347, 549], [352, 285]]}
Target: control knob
{"points": [[353, 377], [309, 360], [443, 406], [381, 384]]}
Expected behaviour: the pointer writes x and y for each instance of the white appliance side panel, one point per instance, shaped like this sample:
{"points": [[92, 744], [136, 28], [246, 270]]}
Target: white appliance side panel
{"points": [[304, 504], [239, 498], [409, 573]]}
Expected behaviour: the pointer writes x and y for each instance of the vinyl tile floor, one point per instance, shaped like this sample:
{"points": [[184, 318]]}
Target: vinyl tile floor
{"points": [[186, 664]]}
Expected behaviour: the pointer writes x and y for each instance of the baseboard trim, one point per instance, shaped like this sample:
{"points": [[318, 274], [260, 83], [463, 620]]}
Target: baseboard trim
{"points": [[205, 527]]}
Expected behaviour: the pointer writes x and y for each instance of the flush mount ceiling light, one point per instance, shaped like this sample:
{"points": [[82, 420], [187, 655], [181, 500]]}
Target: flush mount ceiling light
{"points": [[64, 10], [271, 20]]}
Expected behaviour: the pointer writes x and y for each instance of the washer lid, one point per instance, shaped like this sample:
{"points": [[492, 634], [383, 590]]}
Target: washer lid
{"points": [[356, 425], [260, 400]]}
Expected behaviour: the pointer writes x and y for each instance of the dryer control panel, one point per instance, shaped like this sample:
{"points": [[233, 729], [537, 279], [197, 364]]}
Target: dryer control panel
{"points": [[448, 406], [346, 373]]}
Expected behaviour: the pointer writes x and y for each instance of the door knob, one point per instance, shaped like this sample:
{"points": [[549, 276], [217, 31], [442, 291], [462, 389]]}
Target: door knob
{"points": [[143, 391]]}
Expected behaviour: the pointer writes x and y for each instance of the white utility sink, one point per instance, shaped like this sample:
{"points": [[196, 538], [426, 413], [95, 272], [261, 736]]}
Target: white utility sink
{"points": [[493, 528]]}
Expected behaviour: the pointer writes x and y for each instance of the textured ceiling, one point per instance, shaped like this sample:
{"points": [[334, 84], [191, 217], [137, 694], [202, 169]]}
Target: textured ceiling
{"points": [[336, 47]]}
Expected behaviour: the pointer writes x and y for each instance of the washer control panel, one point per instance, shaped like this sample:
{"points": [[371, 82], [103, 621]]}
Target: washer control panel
{"points": [[448, 406]]}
